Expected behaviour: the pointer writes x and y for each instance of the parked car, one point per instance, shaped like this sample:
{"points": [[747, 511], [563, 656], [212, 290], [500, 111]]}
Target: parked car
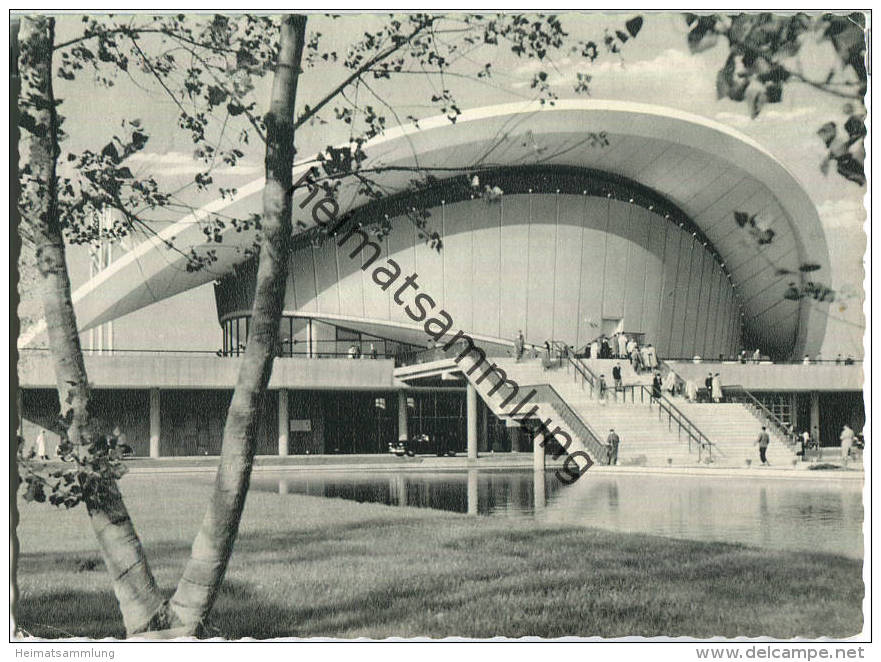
{"points": [[422, 444]]}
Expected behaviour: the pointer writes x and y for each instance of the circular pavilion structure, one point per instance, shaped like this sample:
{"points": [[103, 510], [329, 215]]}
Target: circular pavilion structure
{"points": [[601, 217]]}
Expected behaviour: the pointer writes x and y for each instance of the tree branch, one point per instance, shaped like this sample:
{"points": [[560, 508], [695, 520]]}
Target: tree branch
{"points": [[379, 57], [129, 31]]}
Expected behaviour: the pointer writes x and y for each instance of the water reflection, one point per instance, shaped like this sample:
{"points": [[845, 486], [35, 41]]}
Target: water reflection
{"points": [[810, 515], [471, 491]]}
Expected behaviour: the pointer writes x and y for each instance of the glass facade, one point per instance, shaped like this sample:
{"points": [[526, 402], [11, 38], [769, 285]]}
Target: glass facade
{"points": [[328, 340]]}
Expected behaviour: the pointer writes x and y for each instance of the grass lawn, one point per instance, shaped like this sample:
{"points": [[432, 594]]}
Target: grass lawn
{"points": [[308, 567]]}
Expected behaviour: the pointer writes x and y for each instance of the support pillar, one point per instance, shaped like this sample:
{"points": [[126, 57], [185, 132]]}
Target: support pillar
{"points": [[815, 414], [154, 422], [512, 428], [403, 431], [471, 417], [472, 492], [538, 453], [310, 340], [284, 422], [484, 428], [538, 490]]}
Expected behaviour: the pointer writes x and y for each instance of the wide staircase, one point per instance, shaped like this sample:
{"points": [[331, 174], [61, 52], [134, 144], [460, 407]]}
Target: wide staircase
{"points": [[734, 429], [651, 433], [668, 431]]}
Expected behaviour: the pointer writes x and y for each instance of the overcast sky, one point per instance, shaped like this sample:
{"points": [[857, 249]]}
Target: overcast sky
{"points": [[654, 68]]}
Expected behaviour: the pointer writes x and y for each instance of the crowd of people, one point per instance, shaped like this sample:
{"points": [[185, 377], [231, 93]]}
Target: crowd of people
{"points": [[355, 352]]}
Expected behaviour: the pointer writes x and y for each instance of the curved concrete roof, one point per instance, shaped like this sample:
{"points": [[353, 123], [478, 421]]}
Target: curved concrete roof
{"points": [[707, 169]]}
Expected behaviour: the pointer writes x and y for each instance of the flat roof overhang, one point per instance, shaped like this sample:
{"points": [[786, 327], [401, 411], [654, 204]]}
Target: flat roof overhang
{"points": [[164, 371], [705, 169]]}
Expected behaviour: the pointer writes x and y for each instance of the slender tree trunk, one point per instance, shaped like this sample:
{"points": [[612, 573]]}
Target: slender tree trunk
{"points": [[212, 548], [133, 583]]}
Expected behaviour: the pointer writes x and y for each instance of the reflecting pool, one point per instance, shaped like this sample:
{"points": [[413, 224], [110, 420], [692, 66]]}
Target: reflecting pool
{"points": [[823, 515]]}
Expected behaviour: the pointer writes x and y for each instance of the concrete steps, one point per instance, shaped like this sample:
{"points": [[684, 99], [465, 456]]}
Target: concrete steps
{"points": [[733, 428], [645, 439]]}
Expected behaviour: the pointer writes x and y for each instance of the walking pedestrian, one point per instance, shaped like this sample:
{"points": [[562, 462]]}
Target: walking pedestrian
{"points": [[518, 345], [763, 442], [612, 442], [636, 359], [601, 387], [708, 384], [656, 386], [616, 375]]}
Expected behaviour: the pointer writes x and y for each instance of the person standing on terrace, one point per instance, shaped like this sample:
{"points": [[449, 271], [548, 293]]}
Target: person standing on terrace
{"points": [[518, 345], [691, 390], [622, 345], [847, 438], [616, 375], [717, 388]]}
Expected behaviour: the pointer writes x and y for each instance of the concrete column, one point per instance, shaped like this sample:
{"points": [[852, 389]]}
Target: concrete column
{"points": [[403, 431], [472, 491], [484, 427], [815, 412], [512, 428], [471, 416], [538, 453], [538, 489], [154, 422], [284, 422]]}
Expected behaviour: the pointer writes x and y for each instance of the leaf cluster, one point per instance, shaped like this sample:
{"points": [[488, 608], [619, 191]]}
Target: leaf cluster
{"points": [[85, 476], [763, 59]]}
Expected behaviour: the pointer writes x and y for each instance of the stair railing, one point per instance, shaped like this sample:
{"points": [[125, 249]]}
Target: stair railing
{"points": [[581, 371], [696, 438], [737, 393], [549, 395]]}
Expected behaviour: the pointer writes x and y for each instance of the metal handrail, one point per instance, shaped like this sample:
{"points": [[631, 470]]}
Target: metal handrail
{"points": [[547, 393], [578, 365], [673, 413], [765, 414]]}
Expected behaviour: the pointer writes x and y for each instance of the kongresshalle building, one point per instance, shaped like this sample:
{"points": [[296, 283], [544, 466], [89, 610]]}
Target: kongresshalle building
{"points": [[573, 224]]}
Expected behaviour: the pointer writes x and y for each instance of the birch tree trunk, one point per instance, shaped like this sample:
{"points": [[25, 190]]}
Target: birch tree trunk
{"points": [[133, 583], [213, 545]]}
